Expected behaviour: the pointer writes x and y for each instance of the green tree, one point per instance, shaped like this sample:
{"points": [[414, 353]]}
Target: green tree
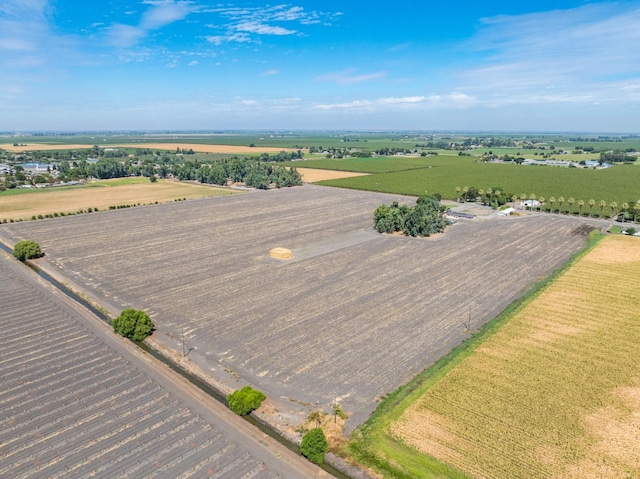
{"points": [[636, 211], [133, 324], [314, 445], [243, 401], [571, 201], [601, 205], [592, 203], [624, 208], [552, 201], [560, 201], [580, 206], [27, 249]]}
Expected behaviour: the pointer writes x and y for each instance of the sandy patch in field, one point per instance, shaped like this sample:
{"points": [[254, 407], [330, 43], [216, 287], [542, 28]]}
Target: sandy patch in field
{"points": [[154, 146], [311, 175], [70, 200]]}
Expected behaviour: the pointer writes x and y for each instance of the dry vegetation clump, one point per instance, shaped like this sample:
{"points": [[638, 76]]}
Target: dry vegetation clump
{"points": [[555, 392], [332, 426]]}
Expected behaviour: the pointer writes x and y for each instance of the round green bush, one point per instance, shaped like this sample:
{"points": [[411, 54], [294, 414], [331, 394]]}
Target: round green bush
{"points": [[314, 445], [27, 250], [243, 401], [133, 324]]}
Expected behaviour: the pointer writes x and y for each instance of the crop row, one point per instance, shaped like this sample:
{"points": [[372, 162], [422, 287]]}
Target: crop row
{"points": [[354, 314], [443, 174], [70, 406], [544, 396]]}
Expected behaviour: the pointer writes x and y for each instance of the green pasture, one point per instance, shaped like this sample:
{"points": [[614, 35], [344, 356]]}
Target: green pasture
{"points": [[378, 164], [442, 174]]}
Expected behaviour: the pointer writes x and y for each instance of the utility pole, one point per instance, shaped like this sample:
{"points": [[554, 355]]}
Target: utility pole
{"points": [[182, 338]]}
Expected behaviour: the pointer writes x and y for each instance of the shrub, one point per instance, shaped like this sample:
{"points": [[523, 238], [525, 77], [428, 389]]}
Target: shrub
{"points": [[631, 231], [27, 250], [314, 445], [243, 401], [133, 324]]}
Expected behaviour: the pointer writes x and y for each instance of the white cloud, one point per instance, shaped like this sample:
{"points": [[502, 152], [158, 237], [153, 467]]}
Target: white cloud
{"points": [[158, 15], [576, 55], [448, 100], [269, 73], [262, 29], [232, 37], [406, 99], [349, 77], [164, 13], [254, 22], [24, 9], [356, 104]]}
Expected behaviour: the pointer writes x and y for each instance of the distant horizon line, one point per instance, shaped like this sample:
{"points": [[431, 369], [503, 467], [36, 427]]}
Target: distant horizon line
{"points": [[218, 132]]}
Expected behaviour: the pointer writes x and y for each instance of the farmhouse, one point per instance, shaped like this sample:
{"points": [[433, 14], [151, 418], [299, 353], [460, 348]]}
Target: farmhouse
{"points": [[35, 167]]}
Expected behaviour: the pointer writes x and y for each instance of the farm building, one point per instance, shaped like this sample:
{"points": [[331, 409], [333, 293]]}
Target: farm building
{"points": [[459, 215], [530, 204], [506, 211]]}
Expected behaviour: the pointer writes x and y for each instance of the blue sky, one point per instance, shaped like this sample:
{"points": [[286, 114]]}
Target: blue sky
{"points": [[459, 65]]}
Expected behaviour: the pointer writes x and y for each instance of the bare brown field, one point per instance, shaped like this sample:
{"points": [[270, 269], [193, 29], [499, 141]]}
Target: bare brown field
{"points": [[311, 175], [353, 315], [155, 146], [555, 393], [78, 401], [50, 201]]}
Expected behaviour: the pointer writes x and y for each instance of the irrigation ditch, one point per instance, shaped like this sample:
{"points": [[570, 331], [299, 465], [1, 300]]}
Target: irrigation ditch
{"points": [[333, 464]]}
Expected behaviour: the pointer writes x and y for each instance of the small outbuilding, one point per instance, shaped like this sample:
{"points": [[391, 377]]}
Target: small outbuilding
{"points": [[506, 211]]}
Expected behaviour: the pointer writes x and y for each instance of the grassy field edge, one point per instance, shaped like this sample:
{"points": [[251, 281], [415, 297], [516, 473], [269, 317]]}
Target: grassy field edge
{"points": [[373, 447]]}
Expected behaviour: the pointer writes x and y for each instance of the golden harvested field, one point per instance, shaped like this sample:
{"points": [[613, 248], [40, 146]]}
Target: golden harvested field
{"points": [[555, 393], [110, 192], [155, 146], [311, 175]]}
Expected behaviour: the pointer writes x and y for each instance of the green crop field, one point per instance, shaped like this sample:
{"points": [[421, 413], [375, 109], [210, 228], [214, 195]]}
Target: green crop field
{"points": [[442, 174]]}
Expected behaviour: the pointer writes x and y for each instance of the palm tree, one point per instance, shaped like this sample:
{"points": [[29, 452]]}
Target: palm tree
{"points": [[552, 200], [523, 197], [613, 206], [601, 205], [592, 203], [513, 200], [580, 206], [560, 201], [636, 210], [541, 201], [481, 194], [457, 193], [571, 201], [489, 193], [465, 190], [497, 195], [532, 197], [624, 209]]}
